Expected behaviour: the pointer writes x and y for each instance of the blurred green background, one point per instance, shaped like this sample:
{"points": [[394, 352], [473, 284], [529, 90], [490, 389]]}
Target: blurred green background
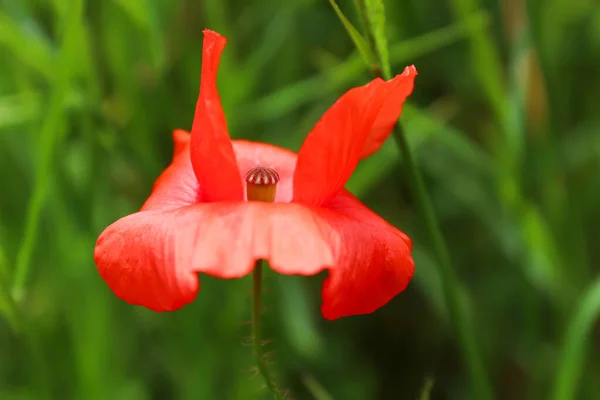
{"points": [[504, 123]]}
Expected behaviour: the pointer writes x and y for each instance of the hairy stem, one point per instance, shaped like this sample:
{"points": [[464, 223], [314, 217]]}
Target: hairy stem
{"points": [[256, 329]]}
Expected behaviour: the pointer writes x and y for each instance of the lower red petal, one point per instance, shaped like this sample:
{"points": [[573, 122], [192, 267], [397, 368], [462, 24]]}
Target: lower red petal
{"points": [[373, 261], [152, 258]]}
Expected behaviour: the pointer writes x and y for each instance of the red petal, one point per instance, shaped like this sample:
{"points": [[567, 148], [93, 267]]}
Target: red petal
{"points": [[390, 112], [212, 154], [152, 258], [373, 261], [353, 127], [177, 186]]}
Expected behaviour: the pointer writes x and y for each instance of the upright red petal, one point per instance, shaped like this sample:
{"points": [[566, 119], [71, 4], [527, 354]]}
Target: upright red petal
{"points": [[390, 112], [353, 127], [212, 153]]}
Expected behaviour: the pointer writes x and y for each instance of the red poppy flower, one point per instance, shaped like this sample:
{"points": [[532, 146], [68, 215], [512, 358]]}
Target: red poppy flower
{"points": [[198, 220]]}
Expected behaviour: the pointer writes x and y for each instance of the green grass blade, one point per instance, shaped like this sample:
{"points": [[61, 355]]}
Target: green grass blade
{"points": [[451, 284], [361, 44], [17, 109], [49, 135], [291, 97], [485, 59], [576, 339], [31, 50], [137, 10], [315, 388], [7, 303], [427, 389]]}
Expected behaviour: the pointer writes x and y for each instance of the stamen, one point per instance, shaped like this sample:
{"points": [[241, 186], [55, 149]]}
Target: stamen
{"points": [[261, 184]]}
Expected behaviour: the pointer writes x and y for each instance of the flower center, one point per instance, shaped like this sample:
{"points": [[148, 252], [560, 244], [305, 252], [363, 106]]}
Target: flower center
{"points": [[261, 184]]}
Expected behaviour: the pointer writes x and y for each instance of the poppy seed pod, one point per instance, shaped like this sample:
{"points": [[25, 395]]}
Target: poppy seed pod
{"points": [[261, 184]]}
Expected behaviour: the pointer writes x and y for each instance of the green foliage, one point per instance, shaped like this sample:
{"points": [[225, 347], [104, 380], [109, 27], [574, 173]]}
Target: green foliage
{"points": [[503, 123], [450, 283], [363, 47], [373, 13], [575, 343]]}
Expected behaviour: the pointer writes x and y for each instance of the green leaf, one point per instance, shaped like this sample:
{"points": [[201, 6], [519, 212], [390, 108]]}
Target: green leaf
{"points": [[24, 107], [316, 389], [485, 60], [427, 388], [576, 339], [137, 10], [28, 47], [7, 303], [363, 47], [143, 15], [17, 109]]}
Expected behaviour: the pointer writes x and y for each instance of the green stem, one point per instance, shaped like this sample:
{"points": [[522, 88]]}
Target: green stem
{"points": [[450, 284], [256, 329]]}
